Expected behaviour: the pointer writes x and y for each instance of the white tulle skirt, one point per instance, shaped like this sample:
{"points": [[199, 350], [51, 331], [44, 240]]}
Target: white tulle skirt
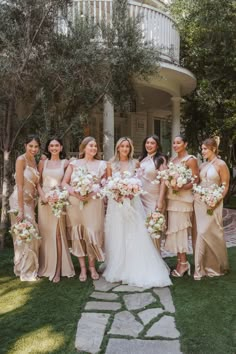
{"points": [[130, 255]]}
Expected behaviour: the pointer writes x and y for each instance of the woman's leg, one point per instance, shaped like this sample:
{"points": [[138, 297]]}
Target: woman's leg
{"points": [[57, 275], [94, 274], [83, 270]]}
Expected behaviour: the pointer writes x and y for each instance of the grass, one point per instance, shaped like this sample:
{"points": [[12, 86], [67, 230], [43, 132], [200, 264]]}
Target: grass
{"points": [[39, 315], [42, 317], [206, 312]]}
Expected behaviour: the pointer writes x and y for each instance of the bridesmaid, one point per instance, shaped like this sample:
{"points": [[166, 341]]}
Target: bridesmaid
{"points": [[54, 256], [86, 225], [151, 161], [180, 208], [23, 199], [211, 253]]}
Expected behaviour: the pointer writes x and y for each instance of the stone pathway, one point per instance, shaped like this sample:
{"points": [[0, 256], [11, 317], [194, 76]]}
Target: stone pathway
{"points": [[121, 319]]}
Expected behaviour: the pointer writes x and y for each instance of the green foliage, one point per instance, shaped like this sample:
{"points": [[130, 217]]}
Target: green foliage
{"points": [[208, 49]]}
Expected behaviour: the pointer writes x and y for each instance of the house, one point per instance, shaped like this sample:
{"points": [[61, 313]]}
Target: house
{"points": [[157, 107]]}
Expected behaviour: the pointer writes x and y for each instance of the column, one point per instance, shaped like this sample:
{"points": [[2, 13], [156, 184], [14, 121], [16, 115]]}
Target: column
{"points": [[108, 129], [175, 118]]}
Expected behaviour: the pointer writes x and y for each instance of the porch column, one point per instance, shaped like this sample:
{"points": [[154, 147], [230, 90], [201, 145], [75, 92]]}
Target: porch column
{"points": [[175, 130], [108, 129]]}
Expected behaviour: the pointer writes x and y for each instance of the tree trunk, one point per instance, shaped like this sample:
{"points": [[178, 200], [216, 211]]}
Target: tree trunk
{"points": [[5, 196]]}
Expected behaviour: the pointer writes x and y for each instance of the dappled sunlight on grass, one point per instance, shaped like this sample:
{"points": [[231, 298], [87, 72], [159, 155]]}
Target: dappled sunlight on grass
{"points": [[13, 299], [42, 340]]}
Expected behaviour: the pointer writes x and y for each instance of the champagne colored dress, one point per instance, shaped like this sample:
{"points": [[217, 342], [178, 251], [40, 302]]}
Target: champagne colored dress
{"points": [[210, 254], [150, 198], [48, 224], [26, 254], [86, 225], [180, 209], [130, 254]]}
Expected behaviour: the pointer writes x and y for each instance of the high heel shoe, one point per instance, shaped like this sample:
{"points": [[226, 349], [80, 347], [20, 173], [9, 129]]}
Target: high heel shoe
{"points": [[93, 273], [176, 274]]}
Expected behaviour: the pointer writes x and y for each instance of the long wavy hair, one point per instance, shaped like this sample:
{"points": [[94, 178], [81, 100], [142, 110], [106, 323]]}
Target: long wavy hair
{"points": [[159, 158], [116, 157], [83, 145], [62, 154]]}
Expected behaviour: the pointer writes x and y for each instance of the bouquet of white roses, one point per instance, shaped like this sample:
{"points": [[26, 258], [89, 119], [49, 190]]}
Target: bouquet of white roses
{"points": [[24, 232], [121, 186], [84, 183], [175, 176], [58, 200], [155, 223], [209, 195]]}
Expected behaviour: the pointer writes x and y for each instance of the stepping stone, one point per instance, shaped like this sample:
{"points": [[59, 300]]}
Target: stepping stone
{"points": [[165, 298], [138, 301], [147, 315], [104, 296], [102, 285], [138, 346], [91, 323], [125, 324], [128, 289], [102, 305], [165, 327]]}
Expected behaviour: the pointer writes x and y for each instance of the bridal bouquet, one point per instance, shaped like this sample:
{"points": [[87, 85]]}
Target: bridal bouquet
{"points": [[121, 186], [84, 183], [24, 232], [209, 195], [58, 200], [175, 176], [155, 223]]}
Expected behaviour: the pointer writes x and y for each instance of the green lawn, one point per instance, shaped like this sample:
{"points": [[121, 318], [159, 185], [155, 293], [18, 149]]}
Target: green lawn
{"points": [[44, 315]]}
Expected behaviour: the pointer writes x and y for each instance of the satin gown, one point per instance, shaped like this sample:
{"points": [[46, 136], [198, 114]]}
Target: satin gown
{"points": [[26, 254], [150, 198], [86, 226], [131, 256], [48, 224], [180, 209], [210, 254]]}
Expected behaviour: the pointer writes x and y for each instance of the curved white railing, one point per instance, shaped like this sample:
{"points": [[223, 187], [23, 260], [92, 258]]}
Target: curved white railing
{"points": [[157, 26]]}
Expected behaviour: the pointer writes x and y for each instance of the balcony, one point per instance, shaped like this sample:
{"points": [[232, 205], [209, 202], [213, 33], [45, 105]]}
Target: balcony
{"points": [[158, 27]]}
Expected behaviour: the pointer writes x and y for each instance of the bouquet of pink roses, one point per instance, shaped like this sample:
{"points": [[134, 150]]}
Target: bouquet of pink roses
{"points": [[175, 176], [209, 195], [155, 223], [24, 232], [58, 200], [121, 186]]}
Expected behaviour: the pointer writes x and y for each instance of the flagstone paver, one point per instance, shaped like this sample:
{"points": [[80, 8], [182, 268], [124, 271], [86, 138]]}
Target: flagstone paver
{"points": [[102, 305], [138, 300], [125, 324], [91, 323], [103, 285], [147, 315], [138, 346], [104, 296], [165, 298], [165, 327]]}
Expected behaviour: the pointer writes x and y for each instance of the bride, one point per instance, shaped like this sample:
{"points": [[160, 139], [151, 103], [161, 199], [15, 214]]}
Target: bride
{"points": [[130, 254]]}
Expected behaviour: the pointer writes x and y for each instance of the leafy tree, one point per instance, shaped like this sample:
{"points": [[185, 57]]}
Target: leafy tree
{"points": [[53, 71], [208, 49]]}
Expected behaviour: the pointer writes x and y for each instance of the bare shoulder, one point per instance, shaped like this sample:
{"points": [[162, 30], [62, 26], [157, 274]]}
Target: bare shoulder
{"points": [[66, 163], [20, 158]]}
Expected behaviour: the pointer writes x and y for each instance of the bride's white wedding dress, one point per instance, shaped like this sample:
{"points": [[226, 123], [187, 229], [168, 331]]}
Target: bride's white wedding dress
{"points": [[129, 251]]}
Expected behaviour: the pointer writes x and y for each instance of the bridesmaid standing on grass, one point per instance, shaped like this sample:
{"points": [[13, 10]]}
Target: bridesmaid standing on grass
{"points": [[23, 200], [86, 224], [151, 161], [180, 208], [55, 260], [211, 254]]}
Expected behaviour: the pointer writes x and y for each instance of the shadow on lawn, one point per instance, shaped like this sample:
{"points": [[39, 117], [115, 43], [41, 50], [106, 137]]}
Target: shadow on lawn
{"points": [[39, 317]]}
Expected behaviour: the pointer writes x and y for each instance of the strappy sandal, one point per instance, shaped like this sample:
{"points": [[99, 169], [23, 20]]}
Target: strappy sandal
{"points": [[177, 274], [93, 273], [83, 276]]}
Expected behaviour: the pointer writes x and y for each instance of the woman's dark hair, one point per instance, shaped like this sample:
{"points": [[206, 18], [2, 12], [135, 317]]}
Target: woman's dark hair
{"points": [[31, 137], [62, 154], [182, 137], [159, 158]]}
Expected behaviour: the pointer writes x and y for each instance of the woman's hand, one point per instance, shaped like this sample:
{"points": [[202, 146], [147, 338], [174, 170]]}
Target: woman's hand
{"points": [[20, 216], [160, 206]]}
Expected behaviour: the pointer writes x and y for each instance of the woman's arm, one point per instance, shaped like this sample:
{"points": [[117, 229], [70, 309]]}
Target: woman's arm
{"points": [[109, 170], [20, 167], [163, 188], [224, 176]]}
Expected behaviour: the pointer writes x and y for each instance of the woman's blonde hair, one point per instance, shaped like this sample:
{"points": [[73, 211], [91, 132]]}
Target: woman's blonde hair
{"points": [[83, 145], [212, 144], [116, 157]]}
